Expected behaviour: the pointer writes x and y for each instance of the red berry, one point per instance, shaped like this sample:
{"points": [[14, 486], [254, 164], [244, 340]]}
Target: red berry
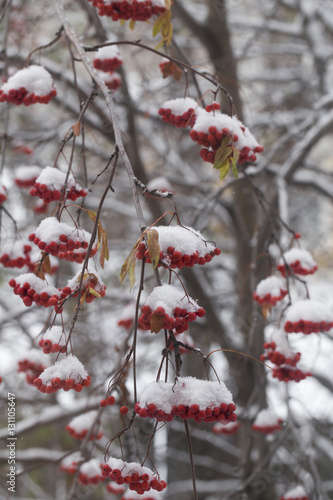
{"points": [[160, 311], [123, 410], [103, 403], [110, 400]]}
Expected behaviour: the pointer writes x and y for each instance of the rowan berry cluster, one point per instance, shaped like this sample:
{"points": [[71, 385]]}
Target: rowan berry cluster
{"points": [[23, 96], [67, 374], [51, 182], [32, 289], [137, 10], [108, 59], [270, 291], [32, 369], [16, 254], [179, 112], [90, 472], [137, 477], [178, 320], [79, 426], [267, 422], [61, 240], [92, 286], [53, 341], [297, 493], [110, 488], [110, 400], [298, 261], [308, 316], [25, 177], [69, 464]]}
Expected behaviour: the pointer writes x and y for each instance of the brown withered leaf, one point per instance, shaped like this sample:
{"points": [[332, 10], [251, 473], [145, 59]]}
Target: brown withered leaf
{"points": [[46, 264], [266, 310], [153, 246], [129, 266], [38, 271], [177, 72], [156, 323], [76, 128]]}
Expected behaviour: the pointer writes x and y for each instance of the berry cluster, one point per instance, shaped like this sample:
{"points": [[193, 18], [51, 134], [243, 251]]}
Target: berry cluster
{"points": [[41, 207], [54, 340], [16, 254], [60, 239], [112, 80], [180, 247], [67, 374], [137, 477], [33, 366], [308, 316], [177, 320], [32, 289], [297, 493], [69, 464], [210, 130], [79, 426], [22, 96], [189, 398], [3, 196], [90, 472], [126, 323], [108, 59], [277, 351], [110, 400], [179, 112], [297, 260], [270, 291], [138, 10], [25, 177], [50, 184], [92, 286], [267, 422], [29, 86], [227, 430]]}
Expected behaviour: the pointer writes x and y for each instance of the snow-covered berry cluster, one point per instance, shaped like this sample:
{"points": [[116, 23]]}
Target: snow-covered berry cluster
{"points": [[53, 340], [33, 365], [25, 176], [267, 422], [297, 493], [3, 195], [126, 319], [277, 351], [299, 261], [51, 182], [29, 86], [180, 247], [138, 10], [188, 398], [62, 240], [308, 316], [270, 291], [67, 374], [212, 129], [32, 289], [41, 207], [108, 59], [69, 464], [166, 307], [16, 254], [111, 488], [90, 472], [137, 477], [79, 426], [179, 112], [92, 286], [227, 430]]}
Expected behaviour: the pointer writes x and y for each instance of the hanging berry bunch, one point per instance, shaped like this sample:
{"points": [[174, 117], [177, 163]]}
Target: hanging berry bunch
{"points": [[270, 291], [32, 289], [92, 286], [297, 493], [79, 426], [67, 374], [179, 112], [188, 398], [51, 182], [166, 307], [29, 86], [53, 340], [25, 176], [135, 10], [180, 247], [33, 365], [299, 261], [16, 254], [267, 422], [308, 316], [90, 472]]}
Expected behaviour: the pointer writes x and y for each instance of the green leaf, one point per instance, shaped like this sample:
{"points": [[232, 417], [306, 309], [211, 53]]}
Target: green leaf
{"points": [[234, 168], [132, 24], [93, 292], [159, 45], [236, 155], [221, 156], [153, 246], [158, 25], [129, 265], [224, 169]]}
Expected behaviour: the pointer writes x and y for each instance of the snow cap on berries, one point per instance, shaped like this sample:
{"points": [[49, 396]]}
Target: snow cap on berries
{"points": [[269, 291], [90, 472], [69, 463], [299, 260], [108, 58], [169, 297], [26, 175], [68, 368], [267, 422], [308, 316], [79, 426], [28, 85]]}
